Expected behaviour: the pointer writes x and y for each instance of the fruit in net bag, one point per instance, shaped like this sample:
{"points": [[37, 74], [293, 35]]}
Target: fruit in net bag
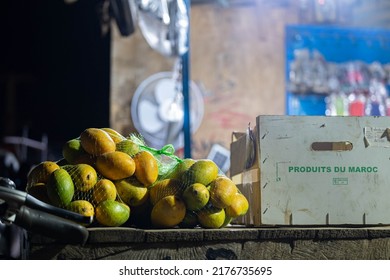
{"points": [[168, 212], [180, 168], [203, 171], [211, 217], [222, 192], [115, 165], [131, 191], [115, 135], [128, 146], [73, 152], [40, 173], [164, 188], [112, 213], [82, 207], [96, 141], [108, 175], [104, 189], [83, 175], [196, 196], [146, 168], [60, 188], [238, 207]]}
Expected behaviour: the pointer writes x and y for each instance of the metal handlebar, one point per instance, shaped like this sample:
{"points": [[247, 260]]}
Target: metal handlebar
{"points": [[51, 226], [39, 217]]}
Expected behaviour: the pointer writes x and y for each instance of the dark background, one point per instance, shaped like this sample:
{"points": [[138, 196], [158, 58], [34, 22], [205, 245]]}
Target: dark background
{"points": [[54, 70]]}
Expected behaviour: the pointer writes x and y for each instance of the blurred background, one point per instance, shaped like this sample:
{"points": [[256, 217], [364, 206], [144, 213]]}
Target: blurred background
{"points": [[65, 66]]}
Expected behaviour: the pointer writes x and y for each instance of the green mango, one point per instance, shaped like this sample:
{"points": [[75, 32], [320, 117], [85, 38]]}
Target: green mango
{"points": [[112, 213], [60, 188], [73, 152], [127, 146]]}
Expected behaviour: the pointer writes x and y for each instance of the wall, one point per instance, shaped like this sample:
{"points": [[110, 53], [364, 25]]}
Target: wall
{"points": [[237, 58]]}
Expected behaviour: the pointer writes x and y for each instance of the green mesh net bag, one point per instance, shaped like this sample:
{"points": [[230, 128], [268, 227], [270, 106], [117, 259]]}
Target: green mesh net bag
{"points": [[121, 181]]}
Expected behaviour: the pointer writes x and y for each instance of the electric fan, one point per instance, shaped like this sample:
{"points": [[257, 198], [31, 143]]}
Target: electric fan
{"points": [[157, 110]]}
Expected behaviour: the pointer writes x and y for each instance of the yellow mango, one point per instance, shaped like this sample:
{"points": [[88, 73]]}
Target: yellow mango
{"points": [[115, 165], [96, 141], [146, 168]]}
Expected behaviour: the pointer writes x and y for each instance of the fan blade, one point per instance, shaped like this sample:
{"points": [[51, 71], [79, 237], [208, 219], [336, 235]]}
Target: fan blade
{"points": [[164, 90], [148, 117]]}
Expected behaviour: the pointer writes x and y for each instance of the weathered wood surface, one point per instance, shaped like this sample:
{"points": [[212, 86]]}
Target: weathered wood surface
{"points": [[228, 243]]}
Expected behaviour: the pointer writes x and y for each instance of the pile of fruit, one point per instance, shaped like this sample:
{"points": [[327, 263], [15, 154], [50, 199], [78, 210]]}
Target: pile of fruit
{"points": [[120, 181]]}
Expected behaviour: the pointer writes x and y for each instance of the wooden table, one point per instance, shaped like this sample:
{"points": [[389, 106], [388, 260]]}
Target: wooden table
{"points": [[236, 242]]}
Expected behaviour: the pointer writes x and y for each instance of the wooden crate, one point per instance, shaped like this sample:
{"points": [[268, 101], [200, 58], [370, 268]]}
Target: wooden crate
{"points": [[318, 170]]}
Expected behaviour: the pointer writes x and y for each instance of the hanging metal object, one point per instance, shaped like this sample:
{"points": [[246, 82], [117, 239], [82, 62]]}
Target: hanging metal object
{"points": [[164, 25]]}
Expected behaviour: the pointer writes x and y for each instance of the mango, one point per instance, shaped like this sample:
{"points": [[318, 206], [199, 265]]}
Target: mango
{"points": [[196, 196], [96, 141], [104, 189], [40, 173], [83, 176], [82, 207], [60, 188], [211, 217], [222, 192], [115, 165], [238, 207], [203, 171], [180, 168], [73, 152], [127, 146], [112, 213], [131, 191], [164, 188], [146, 168], [115, 135], [168, 212]]}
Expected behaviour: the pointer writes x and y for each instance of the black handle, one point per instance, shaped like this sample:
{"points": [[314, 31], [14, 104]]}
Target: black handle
{"points": [[51, 226], [70, 215], [123, 17]]}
